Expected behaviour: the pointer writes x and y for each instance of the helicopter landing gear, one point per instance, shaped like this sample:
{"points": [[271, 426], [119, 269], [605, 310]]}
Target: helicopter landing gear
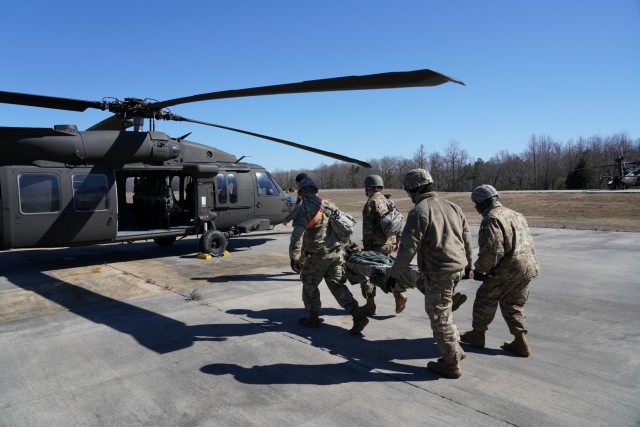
{"points": [[165, 241], [213, 242]]}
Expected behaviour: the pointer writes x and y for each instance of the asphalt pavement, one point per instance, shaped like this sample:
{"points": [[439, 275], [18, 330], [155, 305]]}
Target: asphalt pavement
{"points": [[135, 334]]}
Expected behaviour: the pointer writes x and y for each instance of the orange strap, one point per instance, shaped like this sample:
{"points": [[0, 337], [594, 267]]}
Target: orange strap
{"points": [[317, 217]]}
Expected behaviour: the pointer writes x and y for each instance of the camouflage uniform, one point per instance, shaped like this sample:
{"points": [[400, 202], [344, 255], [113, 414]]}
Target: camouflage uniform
{"points": [[291, 215], [373, 238], [508, 257], [437, 231], [323, 257]]}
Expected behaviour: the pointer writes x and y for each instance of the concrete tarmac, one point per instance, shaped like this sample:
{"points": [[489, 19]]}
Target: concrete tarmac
{"points": [[135, 334]]}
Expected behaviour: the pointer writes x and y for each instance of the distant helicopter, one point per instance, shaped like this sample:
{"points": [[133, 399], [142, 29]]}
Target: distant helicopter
{"points": [[627, 174], [64, 187]]}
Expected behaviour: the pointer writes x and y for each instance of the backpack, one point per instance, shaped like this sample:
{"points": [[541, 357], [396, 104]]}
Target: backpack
{"points": [[342, 224], [391, 222]]}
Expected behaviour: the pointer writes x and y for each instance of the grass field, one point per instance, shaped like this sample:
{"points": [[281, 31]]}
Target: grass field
{"points": [[599, 210]]}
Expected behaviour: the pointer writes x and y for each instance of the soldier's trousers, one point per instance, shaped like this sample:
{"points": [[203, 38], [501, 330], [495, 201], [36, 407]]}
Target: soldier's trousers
{"points": [[511, 296], [329, 267], [438, 290]]}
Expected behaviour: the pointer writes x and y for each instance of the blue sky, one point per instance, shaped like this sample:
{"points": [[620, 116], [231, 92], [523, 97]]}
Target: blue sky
{"points": [[548, 67]]}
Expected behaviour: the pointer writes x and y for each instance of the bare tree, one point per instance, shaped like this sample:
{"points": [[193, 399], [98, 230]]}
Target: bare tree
{"points": [[544, 164], [420, 158]]}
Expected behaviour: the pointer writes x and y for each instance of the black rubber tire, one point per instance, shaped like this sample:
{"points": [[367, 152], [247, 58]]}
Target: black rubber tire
{"points": [[213, 242]]}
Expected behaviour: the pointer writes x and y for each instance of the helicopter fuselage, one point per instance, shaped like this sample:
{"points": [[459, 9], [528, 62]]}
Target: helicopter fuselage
{"points": [[62, 187]]}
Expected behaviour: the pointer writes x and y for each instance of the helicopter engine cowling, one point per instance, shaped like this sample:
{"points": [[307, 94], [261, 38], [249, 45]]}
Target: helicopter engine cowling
{"points": [[128, 147], [70, 147]]}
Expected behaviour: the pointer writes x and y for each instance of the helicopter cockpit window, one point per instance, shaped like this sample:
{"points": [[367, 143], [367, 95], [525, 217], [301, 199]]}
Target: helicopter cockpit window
{"points": [[266, 186], [90, 192], [221, 186], [233, 188], [39, 193]]}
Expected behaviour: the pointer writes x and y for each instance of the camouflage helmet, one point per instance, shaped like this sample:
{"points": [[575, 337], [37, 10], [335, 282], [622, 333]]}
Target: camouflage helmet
{"points": [[373, 181], [416, 178], [307, 182], [482, 193]]}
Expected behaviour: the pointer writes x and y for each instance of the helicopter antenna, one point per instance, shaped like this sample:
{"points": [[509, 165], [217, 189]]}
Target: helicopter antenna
{"points": [[239, 160]]}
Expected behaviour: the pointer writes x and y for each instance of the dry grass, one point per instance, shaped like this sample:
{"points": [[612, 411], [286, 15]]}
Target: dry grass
{"points": [[599, 210]]}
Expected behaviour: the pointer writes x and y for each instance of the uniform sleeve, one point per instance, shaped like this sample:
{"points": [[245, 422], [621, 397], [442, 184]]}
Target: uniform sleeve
{"points": [[491, 245], [409, 243], [292, 214], [299, 224], [466, 237]]}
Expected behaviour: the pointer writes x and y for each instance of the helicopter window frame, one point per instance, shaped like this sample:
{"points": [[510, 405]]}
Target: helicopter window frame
{"points": [[88, 197], [36, 191], [232, 185], [266, 185], [221, 187]]}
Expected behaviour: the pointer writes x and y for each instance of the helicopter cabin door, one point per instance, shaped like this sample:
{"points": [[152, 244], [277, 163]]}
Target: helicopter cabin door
{"points": [[234, 198], [59, 206]]}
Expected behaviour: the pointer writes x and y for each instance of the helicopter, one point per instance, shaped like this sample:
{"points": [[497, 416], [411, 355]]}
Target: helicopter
{"points": [[627, 174], [61, 186]]}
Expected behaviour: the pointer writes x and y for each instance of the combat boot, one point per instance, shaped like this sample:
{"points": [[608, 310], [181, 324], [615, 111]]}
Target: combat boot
{"points": [[441, 368], [401, 301], [360, 320], [313, 321], [369, 308], [458, 300], [474, 338], [519, 345]]}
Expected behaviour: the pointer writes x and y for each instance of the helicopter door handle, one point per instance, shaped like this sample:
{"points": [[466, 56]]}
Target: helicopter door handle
{"points": [[259, 205]]}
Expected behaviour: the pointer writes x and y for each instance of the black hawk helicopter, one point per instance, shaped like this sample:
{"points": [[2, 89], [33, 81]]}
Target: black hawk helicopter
{"points": [[626, 174], [64, 187]]}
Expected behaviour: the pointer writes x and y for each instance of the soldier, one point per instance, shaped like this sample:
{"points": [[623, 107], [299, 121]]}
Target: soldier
{"points": [[437, 231], [323, 258], [374, 239], [506, 264]]}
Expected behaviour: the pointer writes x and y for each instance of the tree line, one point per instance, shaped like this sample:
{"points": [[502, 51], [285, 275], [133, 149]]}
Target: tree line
{"points": [[545, 164]]}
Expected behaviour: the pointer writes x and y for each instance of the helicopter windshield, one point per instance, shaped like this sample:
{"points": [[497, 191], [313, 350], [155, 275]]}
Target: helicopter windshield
{"points": [[266, 186]]}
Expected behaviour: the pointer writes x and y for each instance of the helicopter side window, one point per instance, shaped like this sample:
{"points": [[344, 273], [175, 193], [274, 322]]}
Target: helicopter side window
{"points": [[221, 185], [39, 193], [90, 192], [233, 188], [266, 186]]}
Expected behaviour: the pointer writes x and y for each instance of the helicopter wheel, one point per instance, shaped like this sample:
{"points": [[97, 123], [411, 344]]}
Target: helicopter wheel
{"points": [[213, 242], [165, 241]]}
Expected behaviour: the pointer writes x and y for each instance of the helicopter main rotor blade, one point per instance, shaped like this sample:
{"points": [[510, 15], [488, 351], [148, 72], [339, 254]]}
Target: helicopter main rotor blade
{"points": [[391, 80], [281, 141], [48, 101]]}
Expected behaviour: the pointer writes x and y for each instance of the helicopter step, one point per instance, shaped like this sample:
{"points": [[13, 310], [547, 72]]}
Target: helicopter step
{"points": [[254, 225], [130, 235]]}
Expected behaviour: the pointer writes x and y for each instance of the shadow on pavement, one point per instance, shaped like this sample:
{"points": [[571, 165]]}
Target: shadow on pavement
{"points": [[366, 360]]}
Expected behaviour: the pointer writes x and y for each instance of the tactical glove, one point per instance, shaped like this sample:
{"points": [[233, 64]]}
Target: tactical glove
{"points": [[295, 266]]}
